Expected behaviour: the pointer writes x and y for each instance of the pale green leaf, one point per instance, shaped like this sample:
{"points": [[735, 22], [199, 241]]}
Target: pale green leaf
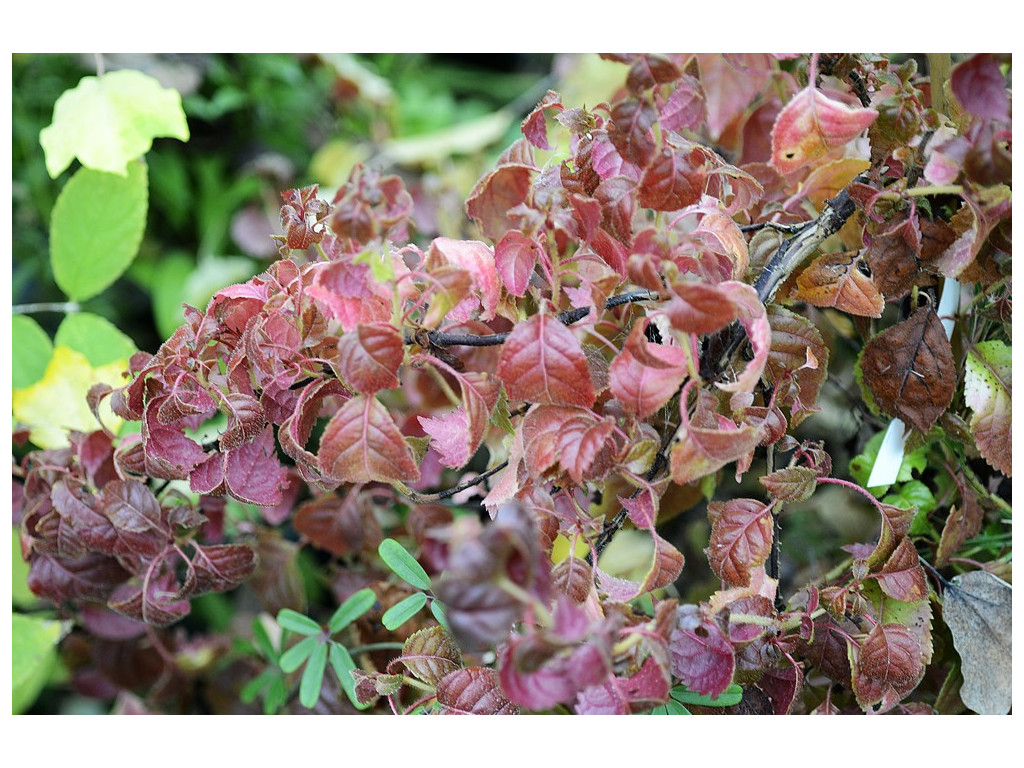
{"points": [[95, 337], [313, 677], [21, 595], [343, 664], [108, 121], [296, 622], [296, 656], [96, 228], [31, 351]]}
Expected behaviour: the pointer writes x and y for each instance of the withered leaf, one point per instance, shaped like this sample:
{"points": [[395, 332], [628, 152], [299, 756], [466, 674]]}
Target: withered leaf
{"points": [[962, 523], [910, 371], [977, 608], [835, 280], [886, 666]]}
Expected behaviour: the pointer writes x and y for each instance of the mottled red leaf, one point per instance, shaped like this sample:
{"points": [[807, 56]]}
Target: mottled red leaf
{"points": [[902, 577], [494, 195], [534, 126], [644, 376], [962, 524], [630, 131], [430, 654], [699, 450], [573, 576], [361, 443], [477, 260], [988, 393], [222, 567], [684, 108], [797, 362], [910, 369], [542, 362], [573, 439], [791, 483]]}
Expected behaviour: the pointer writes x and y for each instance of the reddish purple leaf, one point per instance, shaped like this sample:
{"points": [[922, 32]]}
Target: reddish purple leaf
{"points": [[534, 127], [980, 87], [252, 472], [477, 260], [685, 107], [222, 567], [702, 657], [574, 440], [902, 577], [630, 132], [498, 192], [340, 525]]}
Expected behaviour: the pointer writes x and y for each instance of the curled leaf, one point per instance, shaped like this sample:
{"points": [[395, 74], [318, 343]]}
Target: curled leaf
{"points": [[987, 391]]}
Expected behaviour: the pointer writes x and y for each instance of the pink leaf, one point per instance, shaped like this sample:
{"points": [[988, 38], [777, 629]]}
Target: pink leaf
{"points": [[448, 437], [811, 125], [741, 539], [515, 256], [477, 259], [542, 362]]}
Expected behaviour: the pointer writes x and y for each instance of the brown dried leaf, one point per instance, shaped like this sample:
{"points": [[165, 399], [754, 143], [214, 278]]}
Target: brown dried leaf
{"points": [[910, 370], [835, 280], [797, 362], [962, 524], [892, 252]]}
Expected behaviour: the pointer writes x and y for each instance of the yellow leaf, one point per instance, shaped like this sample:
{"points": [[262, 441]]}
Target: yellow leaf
{"points": [[56, 403]]}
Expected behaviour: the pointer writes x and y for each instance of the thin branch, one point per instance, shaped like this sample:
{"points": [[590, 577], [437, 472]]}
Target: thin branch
{"points": [[568, 317], [423, 498]]}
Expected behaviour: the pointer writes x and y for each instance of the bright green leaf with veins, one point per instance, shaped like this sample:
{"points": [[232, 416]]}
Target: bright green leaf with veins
{"points": [[96, 228], [108, 121]]}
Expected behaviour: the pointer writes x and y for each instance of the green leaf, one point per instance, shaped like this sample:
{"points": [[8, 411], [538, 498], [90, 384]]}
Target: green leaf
{"points": [[403, 564], [263, 641], [673, 707], [437, 608], [294, 621], [313, 677], [34, 653], [379, 261], [96, 228], [351, 609], [254, 687], [730, 696], [108, 121], [30, 353], [342, 663], [95, 337], [401, 612], [276, 696], [296, 656], [21, 595]]}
